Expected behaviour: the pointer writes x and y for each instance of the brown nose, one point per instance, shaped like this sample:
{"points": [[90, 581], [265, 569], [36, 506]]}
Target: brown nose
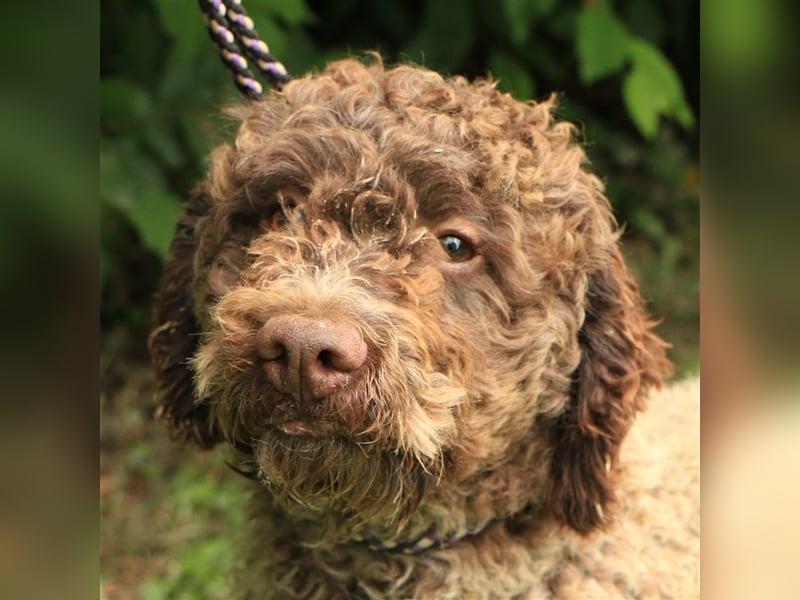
{"points": [[309, 357]]}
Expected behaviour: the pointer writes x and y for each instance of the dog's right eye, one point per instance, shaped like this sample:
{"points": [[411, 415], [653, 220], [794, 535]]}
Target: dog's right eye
{"points": [[458, 249]]}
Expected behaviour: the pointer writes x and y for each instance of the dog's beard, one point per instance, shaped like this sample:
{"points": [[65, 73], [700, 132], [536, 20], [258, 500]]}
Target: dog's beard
{"points": [[337, 477], [360, 476]]}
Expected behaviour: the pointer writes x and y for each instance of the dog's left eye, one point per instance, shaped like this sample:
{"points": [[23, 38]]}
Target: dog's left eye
{"points": [[457, 249]]}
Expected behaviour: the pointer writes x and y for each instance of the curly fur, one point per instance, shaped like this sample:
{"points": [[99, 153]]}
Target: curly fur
{"points": [[497, 388]]}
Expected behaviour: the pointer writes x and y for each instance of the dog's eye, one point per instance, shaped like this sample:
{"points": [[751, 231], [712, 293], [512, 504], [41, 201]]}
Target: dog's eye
{"points": [[281, 218], [457, 249], [293, 214]]}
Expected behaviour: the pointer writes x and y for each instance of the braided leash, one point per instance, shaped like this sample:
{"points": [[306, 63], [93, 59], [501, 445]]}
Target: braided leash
{"points": [[234, 34]]}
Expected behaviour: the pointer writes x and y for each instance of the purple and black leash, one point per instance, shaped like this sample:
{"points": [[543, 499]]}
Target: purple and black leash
{"points": [[236, 39]]}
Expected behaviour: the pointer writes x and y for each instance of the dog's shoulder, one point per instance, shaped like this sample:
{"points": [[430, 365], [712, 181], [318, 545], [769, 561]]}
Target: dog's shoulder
{"points": [[666, 435], [658, 514]]}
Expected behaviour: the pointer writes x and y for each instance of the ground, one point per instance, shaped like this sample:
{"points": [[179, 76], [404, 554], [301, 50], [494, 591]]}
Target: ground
{"points": [[167, 512]]}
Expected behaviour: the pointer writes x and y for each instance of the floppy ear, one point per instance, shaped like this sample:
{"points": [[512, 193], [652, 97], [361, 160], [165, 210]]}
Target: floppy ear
{"points": [[175, 335], [620, 359]]}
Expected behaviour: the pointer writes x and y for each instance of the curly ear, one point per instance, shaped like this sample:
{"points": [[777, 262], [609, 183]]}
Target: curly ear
{"points": [[621, 358], [175, 335]]}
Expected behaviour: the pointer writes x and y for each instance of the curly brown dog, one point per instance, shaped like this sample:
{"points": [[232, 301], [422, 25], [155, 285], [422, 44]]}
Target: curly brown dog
{"points": [[401, 298]]}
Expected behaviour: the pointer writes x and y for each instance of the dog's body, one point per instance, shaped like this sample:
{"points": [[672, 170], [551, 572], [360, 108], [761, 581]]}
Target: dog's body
{"points": [[650, 551], [402, 299]]}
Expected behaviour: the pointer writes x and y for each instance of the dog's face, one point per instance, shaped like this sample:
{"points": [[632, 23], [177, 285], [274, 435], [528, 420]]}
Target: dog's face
{"points": [[391, 284]]}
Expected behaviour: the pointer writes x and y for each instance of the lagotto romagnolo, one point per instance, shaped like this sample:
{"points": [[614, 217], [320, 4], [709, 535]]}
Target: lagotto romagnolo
{"points": [[401, 298]]}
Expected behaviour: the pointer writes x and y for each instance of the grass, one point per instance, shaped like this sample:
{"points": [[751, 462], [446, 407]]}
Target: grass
{"points": [[168, 513]]}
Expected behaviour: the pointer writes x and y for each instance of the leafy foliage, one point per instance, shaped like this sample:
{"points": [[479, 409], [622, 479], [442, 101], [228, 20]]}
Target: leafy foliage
{"points": [[625, 70], [650, 89], [602, 43]]}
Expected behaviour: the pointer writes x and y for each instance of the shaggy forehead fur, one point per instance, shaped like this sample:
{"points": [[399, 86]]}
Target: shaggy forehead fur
{"points": [[497, 385]]}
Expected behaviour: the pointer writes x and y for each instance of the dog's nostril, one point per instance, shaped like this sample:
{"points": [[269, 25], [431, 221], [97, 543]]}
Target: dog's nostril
{"points": [[326, 359], [272, 351]]}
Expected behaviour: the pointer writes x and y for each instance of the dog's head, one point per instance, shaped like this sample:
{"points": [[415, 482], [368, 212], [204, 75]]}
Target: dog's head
{"points": [[392, 283]]}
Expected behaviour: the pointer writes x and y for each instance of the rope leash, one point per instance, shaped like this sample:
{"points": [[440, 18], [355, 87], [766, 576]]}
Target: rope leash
{"points": [[234, 34]]}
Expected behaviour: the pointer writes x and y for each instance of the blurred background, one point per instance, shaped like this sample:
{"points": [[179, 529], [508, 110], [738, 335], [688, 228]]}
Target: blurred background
{"points": [[628, 75]]}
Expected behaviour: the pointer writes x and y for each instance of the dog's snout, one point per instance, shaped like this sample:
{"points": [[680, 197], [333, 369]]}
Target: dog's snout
{"points": [[309, 358]]}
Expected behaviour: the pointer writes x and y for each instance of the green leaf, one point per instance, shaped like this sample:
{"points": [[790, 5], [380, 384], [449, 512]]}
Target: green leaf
{"points": [[154, 215], [134, 184], [653, 89], [683, 114], [643, 107], [602, 43]]}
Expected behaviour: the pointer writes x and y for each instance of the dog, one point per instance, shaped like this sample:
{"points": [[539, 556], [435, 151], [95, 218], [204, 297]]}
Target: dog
{"points": [[401, 298]]}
